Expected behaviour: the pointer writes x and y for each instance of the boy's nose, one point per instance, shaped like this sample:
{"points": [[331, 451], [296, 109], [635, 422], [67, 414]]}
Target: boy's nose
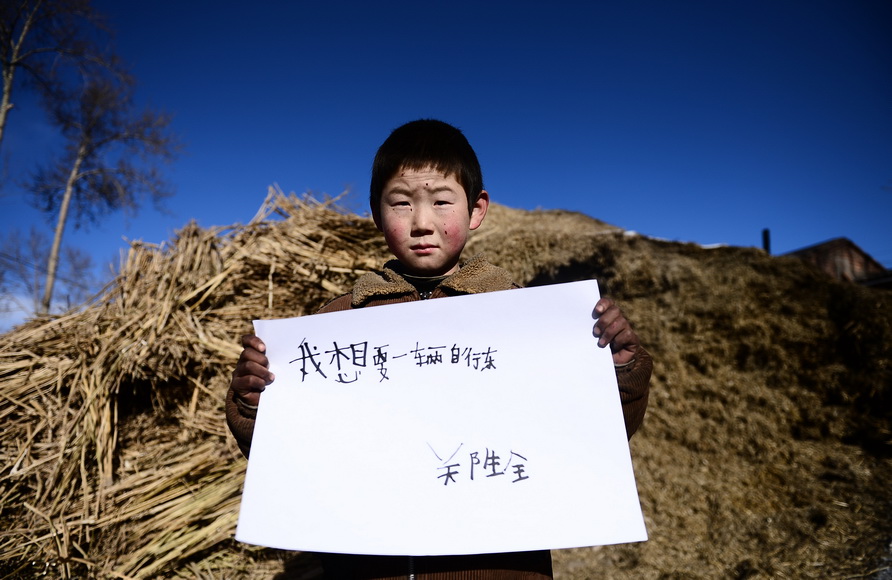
{"points": [[422, 221]]}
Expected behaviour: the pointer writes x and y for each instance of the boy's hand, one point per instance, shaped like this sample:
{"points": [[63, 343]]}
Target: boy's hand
{"points": [[251, 374], [611, 327]]}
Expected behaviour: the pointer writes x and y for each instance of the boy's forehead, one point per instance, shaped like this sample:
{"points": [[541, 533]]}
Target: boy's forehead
{"points": [[427, 174]]}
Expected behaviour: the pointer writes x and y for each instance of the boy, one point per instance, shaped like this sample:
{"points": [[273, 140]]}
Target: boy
{"points": [[426, 197]]}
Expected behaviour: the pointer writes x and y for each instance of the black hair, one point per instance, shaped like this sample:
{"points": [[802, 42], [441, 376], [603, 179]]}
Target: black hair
{"points": [[426, 143]]}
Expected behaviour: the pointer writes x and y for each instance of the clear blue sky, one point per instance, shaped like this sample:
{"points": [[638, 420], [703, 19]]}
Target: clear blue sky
{"points": [[698, 121]]}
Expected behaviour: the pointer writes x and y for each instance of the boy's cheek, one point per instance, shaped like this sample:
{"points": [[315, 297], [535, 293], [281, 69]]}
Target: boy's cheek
{"points": [[394, 233], [393, 237]]}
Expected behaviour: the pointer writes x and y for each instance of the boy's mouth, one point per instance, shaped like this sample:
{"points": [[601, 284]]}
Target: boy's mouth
{"points": [[422, 248]]}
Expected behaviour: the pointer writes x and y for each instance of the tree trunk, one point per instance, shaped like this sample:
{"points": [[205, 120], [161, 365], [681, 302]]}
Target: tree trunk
{"points": [[13, 62], [5, 104], [53, 261]]}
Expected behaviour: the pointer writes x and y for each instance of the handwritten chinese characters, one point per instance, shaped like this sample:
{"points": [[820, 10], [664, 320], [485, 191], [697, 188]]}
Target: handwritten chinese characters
{"points": [[345, 362], [482, 465]]}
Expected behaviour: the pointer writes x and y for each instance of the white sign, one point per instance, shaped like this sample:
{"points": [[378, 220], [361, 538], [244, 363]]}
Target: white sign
{"points": [[471, 424]]}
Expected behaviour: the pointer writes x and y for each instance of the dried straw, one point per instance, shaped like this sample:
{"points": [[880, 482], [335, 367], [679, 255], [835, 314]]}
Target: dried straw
{"points": [[115, 451]]}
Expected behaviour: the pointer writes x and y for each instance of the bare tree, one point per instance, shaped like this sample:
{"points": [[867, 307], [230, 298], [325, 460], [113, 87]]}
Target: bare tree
{"points": [[20, 266], [40, 37], [109, 162], [23, 272]]}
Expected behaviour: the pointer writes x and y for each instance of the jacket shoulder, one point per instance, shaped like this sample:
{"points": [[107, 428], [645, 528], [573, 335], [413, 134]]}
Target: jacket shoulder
{"points": [[342, 302]]}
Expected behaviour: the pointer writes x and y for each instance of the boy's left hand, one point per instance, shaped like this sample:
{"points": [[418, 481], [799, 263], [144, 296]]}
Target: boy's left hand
{"points": [[611, 327]]}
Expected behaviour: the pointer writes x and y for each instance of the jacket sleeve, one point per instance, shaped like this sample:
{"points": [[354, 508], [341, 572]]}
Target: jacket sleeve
{"points": [[634, 389], [240, 418]]}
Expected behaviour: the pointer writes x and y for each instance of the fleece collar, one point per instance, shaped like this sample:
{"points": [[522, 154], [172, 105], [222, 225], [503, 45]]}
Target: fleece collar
{"points": [[475, 276]]}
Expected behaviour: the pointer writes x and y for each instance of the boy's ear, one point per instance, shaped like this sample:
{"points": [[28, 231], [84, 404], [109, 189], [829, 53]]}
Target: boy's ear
{"points": [[478, 210]]}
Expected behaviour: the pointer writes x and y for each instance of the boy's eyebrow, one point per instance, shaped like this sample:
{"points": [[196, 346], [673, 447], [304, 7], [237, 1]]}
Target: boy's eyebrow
{"points": [[400, 188]]}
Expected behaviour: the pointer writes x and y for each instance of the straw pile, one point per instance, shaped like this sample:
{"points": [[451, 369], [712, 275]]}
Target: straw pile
{"points": [[765, 452]]}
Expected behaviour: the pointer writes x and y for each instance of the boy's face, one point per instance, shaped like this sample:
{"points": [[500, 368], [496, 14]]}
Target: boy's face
{"points": [[425, 220]]}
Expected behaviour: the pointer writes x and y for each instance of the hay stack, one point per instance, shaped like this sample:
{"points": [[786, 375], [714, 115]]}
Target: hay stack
{"points": [[765, 451], [115, 456]]}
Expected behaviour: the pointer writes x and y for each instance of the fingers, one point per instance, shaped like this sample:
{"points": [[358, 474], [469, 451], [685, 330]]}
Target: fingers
{"points": [[612, 328], [251, 375], [602, 306], [251, 341], [251, 355], [609, 321], [624, 347]]}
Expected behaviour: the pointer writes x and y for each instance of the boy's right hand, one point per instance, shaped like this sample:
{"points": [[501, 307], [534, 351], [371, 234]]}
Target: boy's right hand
{"points": [[251, 374]]}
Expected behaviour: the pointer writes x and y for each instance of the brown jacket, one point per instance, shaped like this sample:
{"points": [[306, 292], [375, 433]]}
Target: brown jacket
{"points": [[388, 287]]}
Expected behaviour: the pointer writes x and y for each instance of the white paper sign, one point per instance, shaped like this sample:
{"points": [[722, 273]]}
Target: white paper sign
{"points": [[471, 424]]}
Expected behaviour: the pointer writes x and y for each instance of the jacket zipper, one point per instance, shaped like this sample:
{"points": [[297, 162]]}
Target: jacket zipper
{"points": [[411, 568]]}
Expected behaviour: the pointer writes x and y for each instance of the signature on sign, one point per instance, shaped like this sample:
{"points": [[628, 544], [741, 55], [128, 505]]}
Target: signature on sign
{"points": [[483, 465]]}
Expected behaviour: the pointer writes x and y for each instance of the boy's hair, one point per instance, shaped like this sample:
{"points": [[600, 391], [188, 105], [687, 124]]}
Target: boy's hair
{"points": [[426, 143]]}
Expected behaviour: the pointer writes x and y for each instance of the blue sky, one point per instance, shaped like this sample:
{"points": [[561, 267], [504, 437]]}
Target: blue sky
{"points": [[702, 121]]}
